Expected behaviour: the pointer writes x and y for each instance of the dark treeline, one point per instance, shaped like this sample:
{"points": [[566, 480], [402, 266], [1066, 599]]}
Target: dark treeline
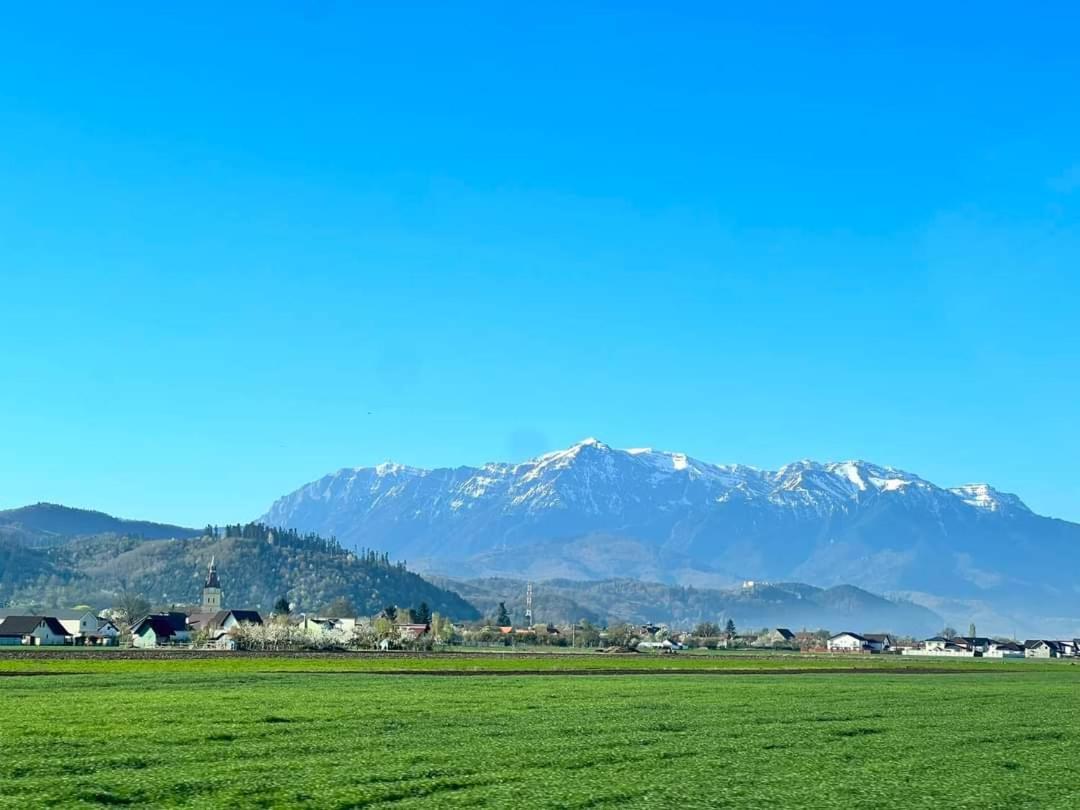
{"points": [[291, 538]]}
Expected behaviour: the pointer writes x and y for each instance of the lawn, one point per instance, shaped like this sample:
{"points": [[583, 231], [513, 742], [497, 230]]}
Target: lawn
{"points": [[271, 732]]}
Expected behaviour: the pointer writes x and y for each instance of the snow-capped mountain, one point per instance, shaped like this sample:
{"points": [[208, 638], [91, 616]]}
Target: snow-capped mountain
{"points": [[592, 511]]}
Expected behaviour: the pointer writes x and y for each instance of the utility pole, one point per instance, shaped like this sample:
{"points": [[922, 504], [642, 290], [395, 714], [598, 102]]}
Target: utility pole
{"points": [[528, 606]]}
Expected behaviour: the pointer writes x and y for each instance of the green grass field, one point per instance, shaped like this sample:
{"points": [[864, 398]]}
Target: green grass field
{"points": [[332, 732]]}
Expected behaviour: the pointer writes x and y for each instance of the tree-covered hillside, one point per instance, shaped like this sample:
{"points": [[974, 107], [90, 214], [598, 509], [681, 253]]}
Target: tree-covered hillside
{"points": [[256, 565], [48, 523], [764, 605]]}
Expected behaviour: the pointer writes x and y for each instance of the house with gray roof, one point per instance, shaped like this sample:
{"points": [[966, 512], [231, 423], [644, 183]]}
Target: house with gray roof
{"points": [[33, 631], [160, 630]]}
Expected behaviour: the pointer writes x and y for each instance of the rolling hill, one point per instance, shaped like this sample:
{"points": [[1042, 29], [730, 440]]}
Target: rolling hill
{"points": [[39, 565], [760, 605]]}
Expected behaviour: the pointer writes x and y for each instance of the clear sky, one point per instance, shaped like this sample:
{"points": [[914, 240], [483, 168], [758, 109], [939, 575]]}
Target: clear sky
{"points": [[242, 246]]}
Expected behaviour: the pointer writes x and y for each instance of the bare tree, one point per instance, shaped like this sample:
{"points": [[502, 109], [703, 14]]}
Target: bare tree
{"points": [[130, 605]]}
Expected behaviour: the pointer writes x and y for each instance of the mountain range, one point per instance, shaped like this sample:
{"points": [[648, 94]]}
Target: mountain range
{"points": [[595, 512]]}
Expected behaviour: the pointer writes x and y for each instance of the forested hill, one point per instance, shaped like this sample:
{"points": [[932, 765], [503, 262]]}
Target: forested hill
{"points": [[788, 604], [45, 523], [256, 566]]}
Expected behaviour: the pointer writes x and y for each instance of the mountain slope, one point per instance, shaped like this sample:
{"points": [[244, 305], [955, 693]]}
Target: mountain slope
{"points": [[43, 523], [620, 600], [592, 511], [256, 567]]}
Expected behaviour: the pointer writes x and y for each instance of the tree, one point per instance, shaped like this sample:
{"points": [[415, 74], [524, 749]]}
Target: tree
{"points": [[729, 628], [282, 607], [422, 615], [971, 630], [130, 605], [586, 634], [341, 608], [621, 634], [383, 628], [442, 629], [948, 632], [707, 630], [503, 618], [390, 613]]}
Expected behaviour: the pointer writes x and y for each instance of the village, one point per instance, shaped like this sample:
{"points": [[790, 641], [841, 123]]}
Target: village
{"points": [[214, 627]]}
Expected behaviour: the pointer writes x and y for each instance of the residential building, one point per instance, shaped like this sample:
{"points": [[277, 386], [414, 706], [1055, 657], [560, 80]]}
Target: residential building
{"points": [[1039, 648], [854, 642], [941, 646], [106, 635], [33, 631], [77, 622], [1005, 649], [411, 632], [775, 637], [880, 642], [224, 620], [160, 630], [214, 628], [977, 644]]}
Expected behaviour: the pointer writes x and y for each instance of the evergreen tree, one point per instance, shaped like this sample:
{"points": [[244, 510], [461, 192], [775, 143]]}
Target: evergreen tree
{"points": [[729, 628], [281, 606], [340, 608], [422, 615], [503, 618]]}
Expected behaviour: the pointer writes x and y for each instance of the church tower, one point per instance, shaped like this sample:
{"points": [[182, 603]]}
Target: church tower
{"points": [[211, 592]]}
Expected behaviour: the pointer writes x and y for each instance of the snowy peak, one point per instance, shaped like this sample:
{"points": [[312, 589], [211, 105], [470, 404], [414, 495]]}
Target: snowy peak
{"points": [[601, 487], [865, 477], [984, 496], [593, 511], [389, 468]]}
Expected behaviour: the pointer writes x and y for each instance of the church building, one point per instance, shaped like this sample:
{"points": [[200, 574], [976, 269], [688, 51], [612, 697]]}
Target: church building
{"points": [[211, 592]]}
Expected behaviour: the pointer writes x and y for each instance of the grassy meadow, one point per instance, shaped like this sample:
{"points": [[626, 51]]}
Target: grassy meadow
{"points": [[334, 732]]}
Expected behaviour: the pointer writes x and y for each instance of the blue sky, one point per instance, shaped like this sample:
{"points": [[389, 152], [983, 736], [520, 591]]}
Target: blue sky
{"points": [[243, 247]]}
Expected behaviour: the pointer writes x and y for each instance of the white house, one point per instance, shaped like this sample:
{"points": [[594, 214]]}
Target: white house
{"points": [[160, 630], [941, 646], [775, 637], [846, 642], [977, 644], [328, 630], [853, 642], [78, 623], [32, 631], [224, 620], [1041, 648], [107, 634], [880, 642], [216, 628], [1004, 649]]}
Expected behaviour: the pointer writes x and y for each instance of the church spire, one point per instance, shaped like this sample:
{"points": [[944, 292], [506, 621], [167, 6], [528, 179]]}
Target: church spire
{"points": [[211, 592], [212, 577]]}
